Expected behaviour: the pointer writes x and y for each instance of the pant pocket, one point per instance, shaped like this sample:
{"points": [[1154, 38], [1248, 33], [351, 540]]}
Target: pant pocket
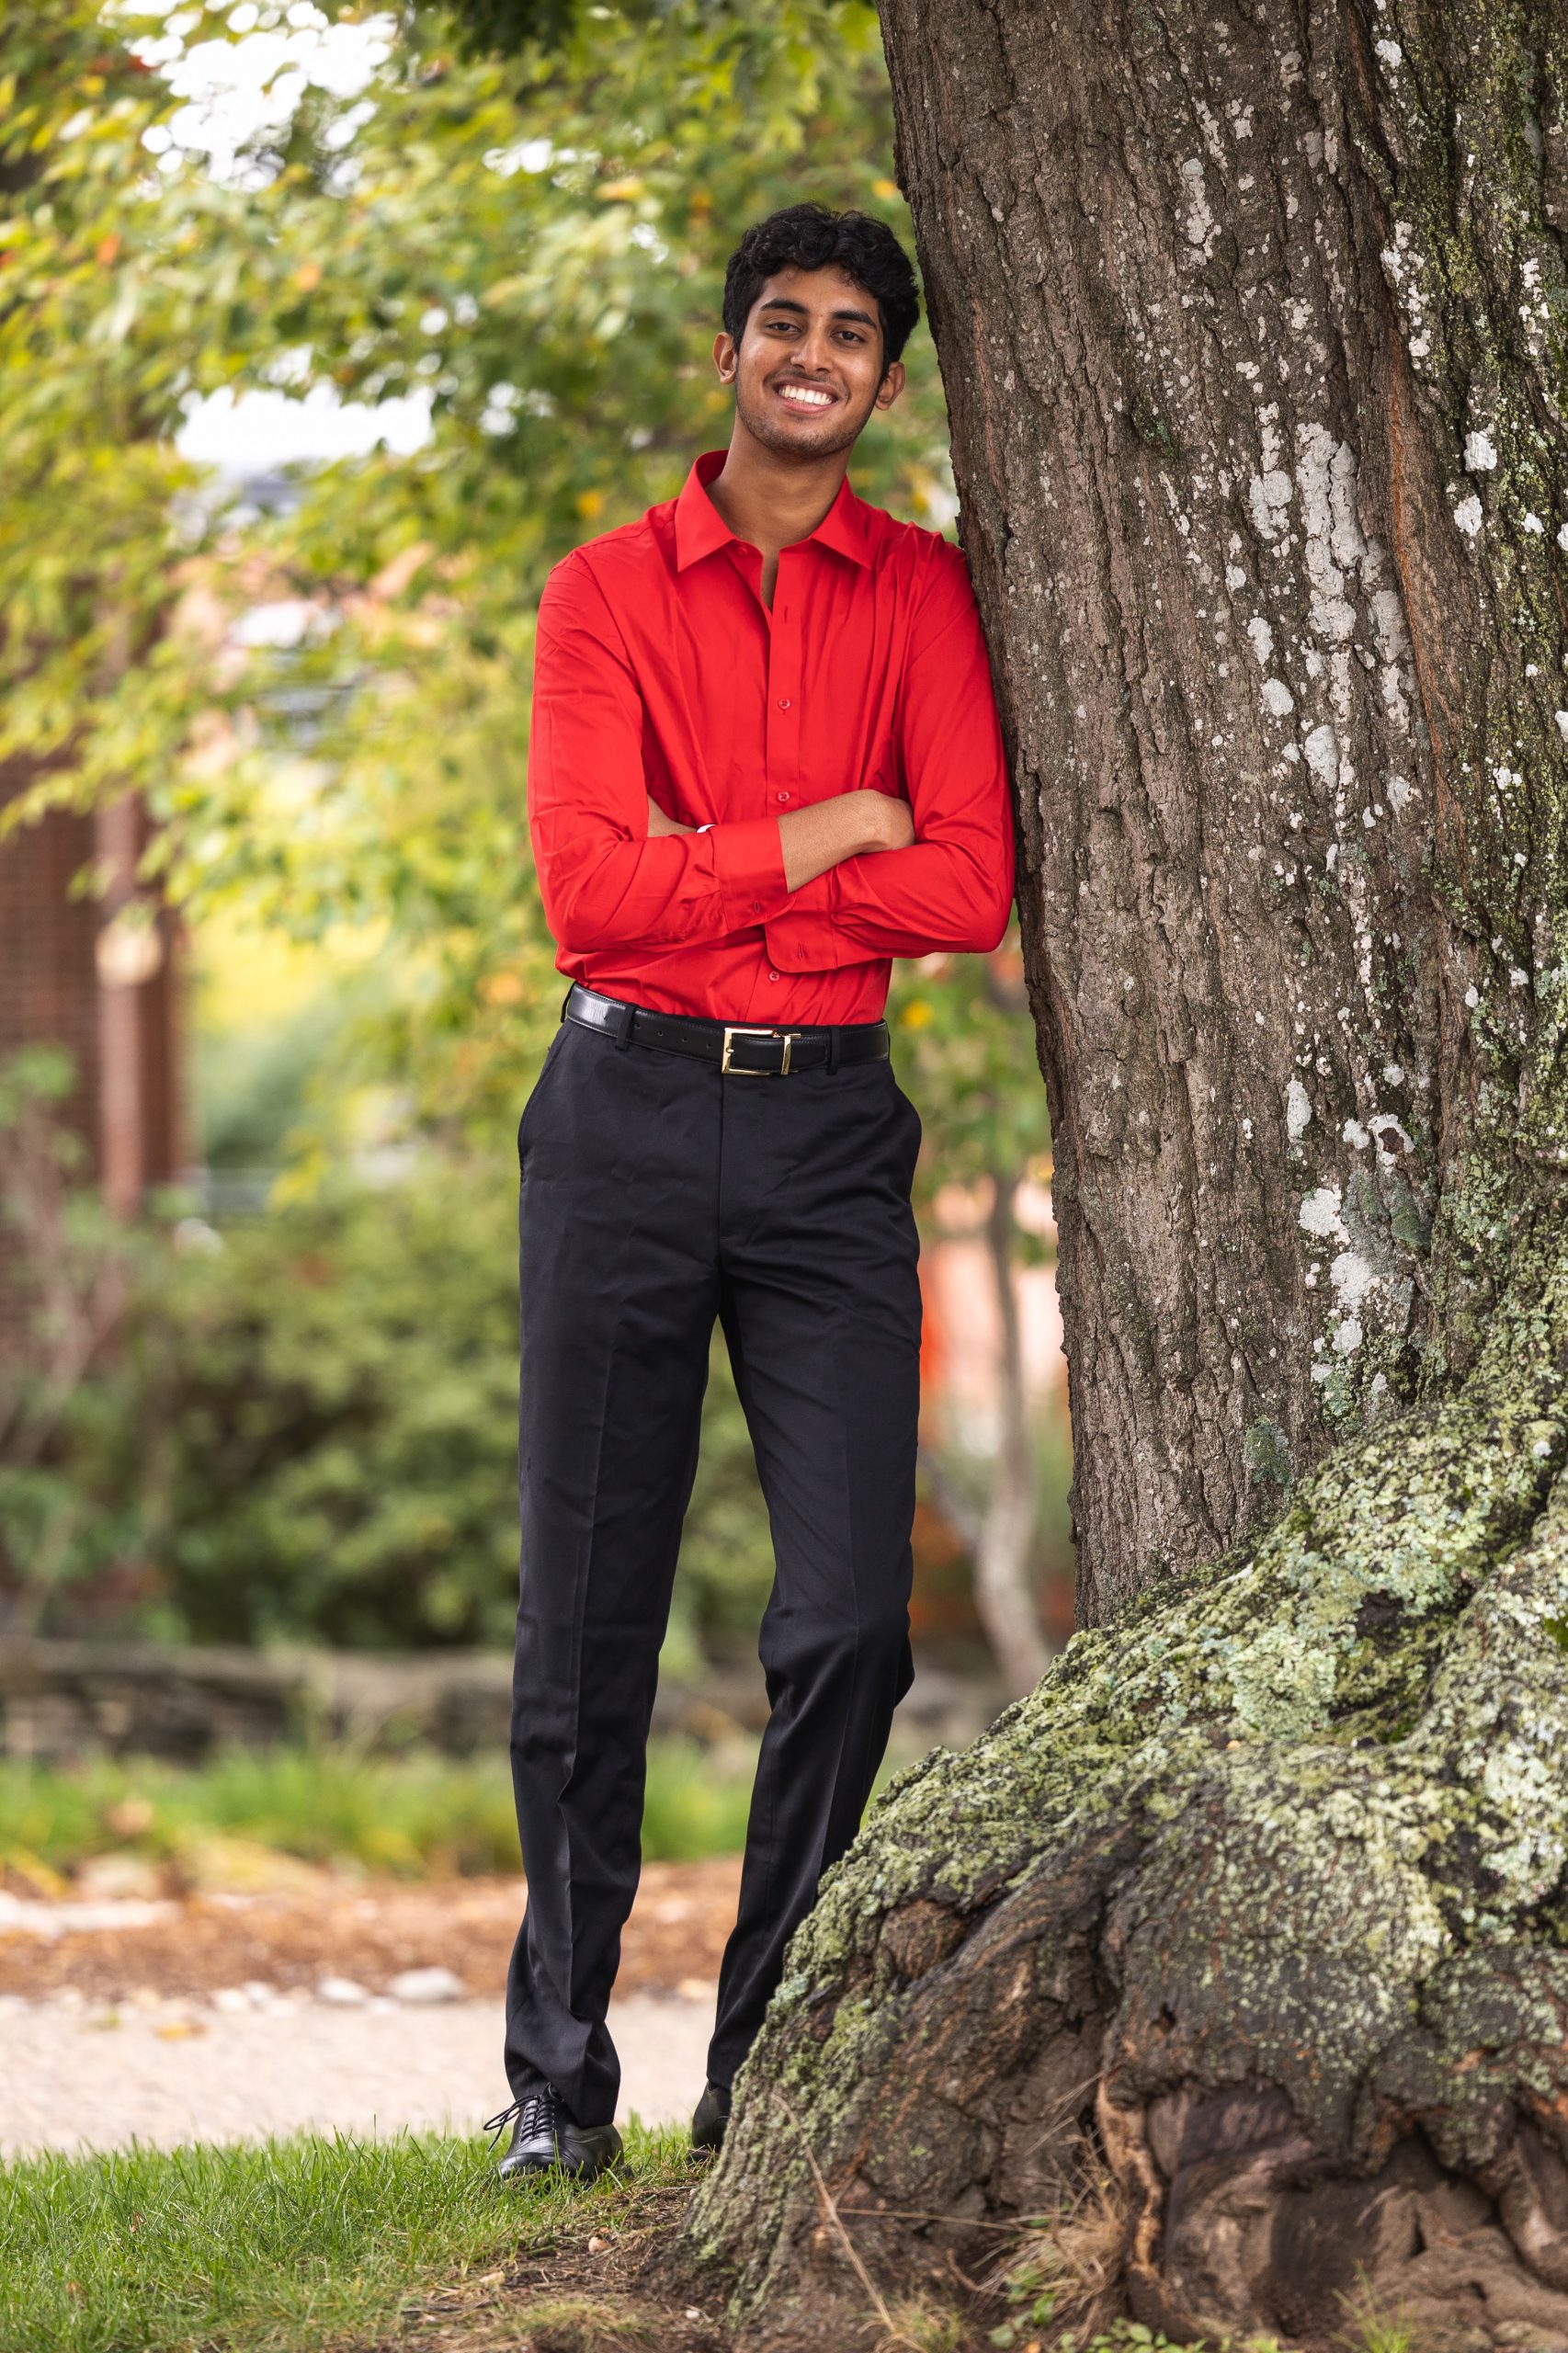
{"points": [[553, 1056]]}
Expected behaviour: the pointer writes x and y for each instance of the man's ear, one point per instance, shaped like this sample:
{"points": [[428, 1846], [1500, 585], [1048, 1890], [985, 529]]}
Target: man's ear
{"points": [[891, 384], [725, 356]]}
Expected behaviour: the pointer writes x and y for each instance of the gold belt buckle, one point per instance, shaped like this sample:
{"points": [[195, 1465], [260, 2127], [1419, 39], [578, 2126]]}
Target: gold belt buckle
{"points": [[737, 1030]]}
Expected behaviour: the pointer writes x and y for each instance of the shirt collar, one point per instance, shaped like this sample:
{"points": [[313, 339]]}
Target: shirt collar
{"points": [[700, 526]]}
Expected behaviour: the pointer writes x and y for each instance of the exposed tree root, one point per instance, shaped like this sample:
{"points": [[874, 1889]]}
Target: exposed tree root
{"points": [[1259, 1900]]}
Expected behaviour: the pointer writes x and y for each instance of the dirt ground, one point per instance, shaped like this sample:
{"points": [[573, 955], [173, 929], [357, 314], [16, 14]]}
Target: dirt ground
{"points": [[610, 2292], [369, 1931]]}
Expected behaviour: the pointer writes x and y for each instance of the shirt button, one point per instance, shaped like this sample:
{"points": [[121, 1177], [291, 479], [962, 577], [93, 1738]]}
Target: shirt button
{"points": [[782, 796], [773, 976], [783, 702]]}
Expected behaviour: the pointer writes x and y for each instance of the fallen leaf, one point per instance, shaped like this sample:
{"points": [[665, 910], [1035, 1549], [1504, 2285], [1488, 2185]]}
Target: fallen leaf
{"points": [[178, 2030]]}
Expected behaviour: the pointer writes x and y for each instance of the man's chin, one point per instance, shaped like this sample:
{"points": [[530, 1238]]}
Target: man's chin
{"points": [[823, 440]]}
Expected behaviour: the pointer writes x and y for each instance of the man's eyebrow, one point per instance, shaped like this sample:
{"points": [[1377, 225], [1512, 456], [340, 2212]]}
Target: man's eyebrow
{"points": [[785, 302]]}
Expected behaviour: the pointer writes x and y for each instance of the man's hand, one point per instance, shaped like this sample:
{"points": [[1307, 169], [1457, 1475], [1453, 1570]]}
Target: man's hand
{"points": [[659, 824], [889, 822], [851, 825]]}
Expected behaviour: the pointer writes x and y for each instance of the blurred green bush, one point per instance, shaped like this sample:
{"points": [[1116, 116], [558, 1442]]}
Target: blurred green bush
{"points": [[302, 1426], [318, 1419]]}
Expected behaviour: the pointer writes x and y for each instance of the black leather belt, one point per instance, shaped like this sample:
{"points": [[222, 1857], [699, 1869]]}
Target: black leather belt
{"points": [[743, 1051]]}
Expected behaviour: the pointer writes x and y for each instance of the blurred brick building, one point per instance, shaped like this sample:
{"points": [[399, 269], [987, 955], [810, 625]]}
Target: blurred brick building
{"points": [[81, 973]]}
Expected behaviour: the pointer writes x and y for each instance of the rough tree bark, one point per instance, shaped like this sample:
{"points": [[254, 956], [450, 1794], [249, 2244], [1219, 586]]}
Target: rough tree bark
{"points": [[1253, 327]]}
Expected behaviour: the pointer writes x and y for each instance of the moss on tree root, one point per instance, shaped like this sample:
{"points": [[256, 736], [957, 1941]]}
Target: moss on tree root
{"points": [[1279, 1857]]}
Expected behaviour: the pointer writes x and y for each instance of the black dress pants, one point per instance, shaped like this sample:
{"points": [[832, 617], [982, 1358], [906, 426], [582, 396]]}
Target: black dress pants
{"points": [[656, 1194]]}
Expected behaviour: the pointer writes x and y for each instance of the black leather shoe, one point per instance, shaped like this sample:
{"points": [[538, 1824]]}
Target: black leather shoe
{"points": [[546, 2133], [712, 2115]]}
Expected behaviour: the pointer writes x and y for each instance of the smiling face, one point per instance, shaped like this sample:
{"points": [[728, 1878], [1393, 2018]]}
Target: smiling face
{"points": [[809, 369]]}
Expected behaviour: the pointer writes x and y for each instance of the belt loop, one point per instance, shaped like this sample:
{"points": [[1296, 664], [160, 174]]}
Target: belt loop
{"points": [[566, 1000], [623, 1028], [833, 1049]]}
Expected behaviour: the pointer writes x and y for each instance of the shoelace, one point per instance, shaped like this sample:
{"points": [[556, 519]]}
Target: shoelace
{"points": [[535, 2114]]}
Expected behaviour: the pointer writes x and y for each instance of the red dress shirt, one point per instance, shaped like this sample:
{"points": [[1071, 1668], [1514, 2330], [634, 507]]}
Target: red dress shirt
{"points": [[659, 669]]}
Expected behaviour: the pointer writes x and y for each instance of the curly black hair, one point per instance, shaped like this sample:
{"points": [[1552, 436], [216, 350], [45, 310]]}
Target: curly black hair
{"points": [[811, 236]]}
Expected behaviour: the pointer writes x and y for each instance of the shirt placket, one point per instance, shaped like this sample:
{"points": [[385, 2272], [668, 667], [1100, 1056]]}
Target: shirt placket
{"points": [[784, 700], [782, 755]]}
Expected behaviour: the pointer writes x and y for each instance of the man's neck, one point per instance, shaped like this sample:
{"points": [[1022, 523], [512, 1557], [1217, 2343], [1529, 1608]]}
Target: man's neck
{"points": [[770, 500]]}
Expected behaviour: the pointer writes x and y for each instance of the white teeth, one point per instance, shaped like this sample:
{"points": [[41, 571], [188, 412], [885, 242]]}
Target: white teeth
{"points": [[805, 399]]}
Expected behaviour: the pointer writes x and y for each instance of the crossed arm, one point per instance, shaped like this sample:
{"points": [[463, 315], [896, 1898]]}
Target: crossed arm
{"points": [[860, 875], [851, 825]]}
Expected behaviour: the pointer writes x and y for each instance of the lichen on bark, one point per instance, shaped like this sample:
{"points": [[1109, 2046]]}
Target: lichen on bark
{"points": [[1275, 1863]]}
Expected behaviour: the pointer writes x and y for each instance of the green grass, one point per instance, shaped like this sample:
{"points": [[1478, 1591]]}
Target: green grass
{"points": [[1122, 2336], [307, 2244], [293, 2245], [1379, 2335], [414, 1816]]}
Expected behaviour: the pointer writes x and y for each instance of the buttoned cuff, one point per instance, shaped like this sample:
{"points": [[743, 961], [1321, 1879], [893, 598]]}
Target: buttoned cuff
{"points": [[748, 865]]}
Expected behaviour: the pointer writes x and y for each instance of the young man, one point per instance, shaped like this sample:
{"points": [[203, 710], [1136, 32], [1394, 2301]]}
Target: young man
{"points": [[764, 761]]}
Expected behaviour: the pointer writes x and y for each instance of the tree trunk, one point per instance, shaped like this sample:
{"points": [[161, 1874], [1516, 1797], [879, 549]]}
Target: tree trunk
{"points": [[1222, 317], [1253, 329]]}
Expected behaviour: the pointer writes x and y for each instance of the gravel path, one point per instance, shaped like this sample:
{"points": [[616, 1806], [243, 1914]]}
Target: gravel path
{"points": [[335, 2004], [78, 2074]]}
